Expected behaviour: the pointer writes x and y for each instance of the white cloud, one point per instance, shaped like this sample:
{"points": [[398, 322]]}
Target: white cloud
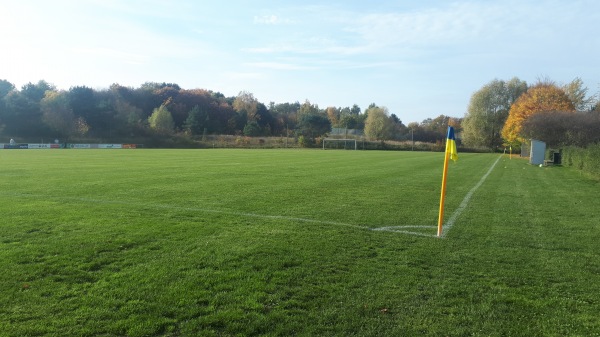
{"points": [[453, 24], [344, 33], [239, 75], [112, 54], [271, 20], [279, 66], [468, 23], [376, 50]]}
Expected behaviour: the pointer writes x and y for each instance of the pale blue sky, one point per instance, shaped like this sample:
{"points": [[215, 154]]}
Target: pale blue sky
{"points": [[420, 59]]}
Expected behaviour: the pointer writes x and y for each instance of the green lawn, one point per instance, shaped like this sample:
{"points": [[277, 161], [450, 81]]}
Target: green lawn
{"points": [[280, 243]]}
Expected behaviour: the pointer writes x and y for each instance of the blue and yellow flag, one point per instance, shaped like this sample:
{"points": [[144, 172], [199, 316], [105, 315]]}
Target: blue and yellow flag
{"points": [[452, 154], [451, 144]]}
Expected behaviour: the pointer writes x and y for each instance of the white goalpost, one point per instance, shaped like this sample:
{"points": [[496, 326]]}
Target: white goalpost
{"points": [[336, 143]]}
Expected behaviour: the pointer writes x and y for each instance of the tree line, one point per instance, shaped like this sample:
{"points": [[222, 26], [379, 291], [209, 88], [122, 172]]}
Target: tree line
{"points": [[509, 113], [163, 110], [501, 113]]}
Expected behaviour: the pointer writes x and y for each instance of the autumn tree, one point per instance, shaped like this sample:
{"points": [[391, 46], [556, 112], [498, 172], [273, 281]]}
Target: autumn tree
{"points": [[128, 118], [351, 118], [36, 91], [253, 116], [125, 117], [265, 120], [311, 123], [307, 108], [437, 126], [57, 113], [161, 120], [577, 93], [431, 129], [333, 114], [22, 115], [488, 110], [152, 94], [245, 103], [285, 115], [90, 105], [82, 101], [378, 124], [59, 116], [541, 98], [456, 123]]}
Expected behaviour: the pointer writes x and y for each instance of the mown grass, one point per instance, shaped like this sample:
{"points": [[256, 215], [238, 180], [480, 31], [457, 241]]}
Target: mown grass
{"points": [[277, 242]]}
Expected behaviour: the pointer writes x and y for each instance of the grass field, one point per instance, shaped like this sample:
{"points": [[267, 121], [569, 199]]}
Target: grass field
{"points": [[280, 243]]}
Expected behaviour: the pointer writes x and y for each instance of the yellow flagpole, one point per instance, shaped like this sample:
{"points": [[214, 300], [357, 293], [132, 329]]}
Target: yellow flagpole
{"points": [[443, 194]]}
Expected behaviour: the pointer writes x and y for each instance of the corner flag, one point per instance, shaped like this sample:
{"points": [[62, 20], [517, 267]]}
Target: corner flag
{"points": [[450, 153], [451, 144]]}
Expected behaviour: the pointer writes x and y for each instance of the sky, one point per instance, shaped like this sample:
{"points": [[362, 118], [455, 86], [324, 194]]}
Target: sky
{"points": [[419, 59]]}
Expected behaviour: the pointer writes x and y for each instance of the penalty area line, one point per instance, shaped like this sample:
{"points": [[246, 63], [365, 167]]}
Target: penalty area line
{"points": [[402, 230], [180, 208], [389, 229], [406, 230], [463, 205]]}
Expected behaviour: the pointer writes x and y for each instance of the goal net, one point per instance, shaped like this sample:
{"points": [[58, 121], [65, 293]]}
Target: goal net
{"points": [[339, 144]]}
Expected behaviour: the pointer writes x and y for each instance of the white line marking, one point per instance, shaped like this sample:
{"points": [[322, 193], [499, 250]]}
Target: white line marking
{"points": [[466, 200], [401, 229], [193, 209], [392, 229]]}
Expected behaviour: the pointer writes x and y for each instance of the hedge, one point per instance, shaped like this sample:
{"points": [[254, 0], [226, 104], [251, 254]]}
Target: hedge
{"points": [[584, 159]]}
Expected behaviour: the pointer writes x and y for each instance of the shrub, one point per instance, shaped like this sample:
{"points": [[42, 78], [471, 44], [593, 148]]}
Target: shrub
{"points": [[304, 141], [584, 159]]}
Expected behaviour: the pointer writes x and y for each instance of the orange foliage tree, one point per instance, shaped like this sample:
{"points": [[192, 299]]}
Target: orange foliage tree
{"points": [[543, 97]]}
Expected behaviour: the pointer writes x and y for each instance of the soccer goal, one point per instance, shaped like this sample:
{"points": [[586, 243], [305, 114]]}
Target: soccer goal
{"points": [[339, 144]]}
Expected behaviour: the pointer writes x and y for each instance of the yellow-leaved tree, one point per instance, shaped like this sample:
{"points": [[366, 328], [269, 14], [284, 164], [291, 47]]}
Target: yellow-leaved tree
{"points": [[543, 97]]}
